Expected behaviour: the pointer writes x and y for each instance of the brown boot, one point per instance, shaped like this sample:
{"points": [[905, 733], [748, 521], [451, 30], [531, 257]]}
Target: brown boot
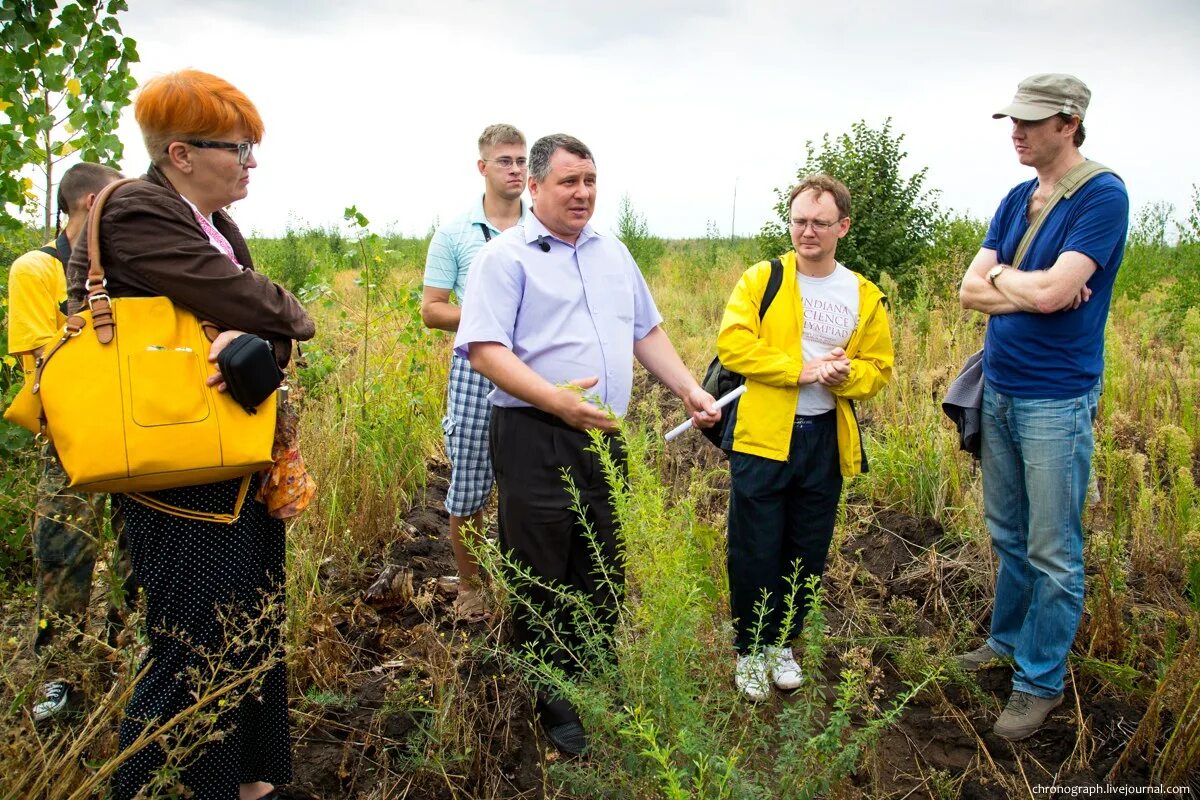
{"points": [[978, 658], [1024, 714]]}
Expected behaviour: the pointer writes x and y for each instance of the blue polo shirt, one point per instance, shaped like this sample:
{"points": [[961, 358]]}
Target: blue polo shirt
{"points": [[1060, 355], [453, 248]]}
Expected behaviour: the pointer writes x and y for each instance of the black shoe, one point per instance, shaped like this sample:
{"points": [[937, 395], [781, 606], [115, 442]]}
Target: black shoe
{"points": [[569, 738], [560, 722]]}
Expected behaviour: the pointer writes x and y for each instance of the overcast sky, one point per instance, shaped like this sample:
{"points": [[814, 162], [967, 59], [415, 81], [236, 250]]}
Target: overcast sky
{"points": [[379, 104]]}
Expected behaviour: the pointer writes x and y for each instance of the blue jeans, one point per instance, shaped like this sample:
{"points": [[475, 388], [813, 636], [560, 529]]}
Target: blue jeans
{"points": [[1037, 457]]}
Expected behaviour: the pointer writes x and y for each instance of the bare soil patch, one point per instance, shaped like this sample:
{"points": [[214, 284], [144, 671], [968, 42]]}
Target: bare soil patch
{"points": [[379, 738]]}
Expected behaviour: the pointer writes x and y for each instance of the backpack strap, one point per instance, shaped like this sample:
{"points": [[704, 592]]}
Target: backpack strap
{"points": [[1066, 187], [60, 250], [773, 284]]}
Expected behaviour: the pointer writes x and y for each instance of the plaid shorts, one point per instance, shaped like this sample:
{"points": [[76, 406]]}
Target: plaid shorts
{"points": [[465, 425]]}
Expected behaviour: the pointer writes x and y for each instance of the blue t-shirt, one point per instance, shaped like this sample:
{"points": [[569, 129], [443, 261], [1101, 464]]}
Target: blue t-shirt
{"points": [[1059, 355]]}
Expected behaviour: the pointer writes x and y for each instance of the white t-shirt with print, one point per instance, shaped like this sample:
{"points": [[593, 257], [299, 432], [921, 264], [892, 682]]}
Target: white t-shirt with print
{"points": [[830, 317]]}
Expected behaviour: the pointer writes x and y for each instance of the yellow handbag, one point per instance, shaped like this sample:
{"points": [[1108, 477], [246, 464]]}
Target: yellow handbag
{"points": [[124, 397], [25, 409]]}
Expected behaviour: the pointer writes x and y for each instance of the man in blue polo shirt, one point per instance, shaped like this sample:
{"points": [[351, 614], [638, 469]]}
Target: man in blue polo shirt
{"points": [[503, 165], [1042, 363]]}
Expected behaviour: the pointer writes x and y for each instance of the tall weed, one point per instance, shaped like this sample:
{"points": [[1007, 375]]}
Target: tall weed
{"points": [[675, 724]]}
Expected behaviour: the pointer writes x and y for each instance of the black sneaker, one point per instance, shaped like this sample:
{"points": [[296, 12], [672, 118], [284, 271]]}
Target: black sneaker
{"points": [[570, 738], [55, 695], [560, 721]]}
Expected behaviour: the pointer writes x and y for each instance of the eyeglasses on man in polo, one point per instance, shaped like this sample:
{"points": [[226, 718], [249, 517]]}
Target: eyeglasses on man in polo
{"points": [[506, 162]]}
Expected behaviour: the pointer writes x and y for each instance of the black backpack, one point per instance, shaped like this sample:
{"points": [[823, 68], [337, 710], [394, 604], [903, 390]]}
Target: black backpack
{"points": [[719, 381]]}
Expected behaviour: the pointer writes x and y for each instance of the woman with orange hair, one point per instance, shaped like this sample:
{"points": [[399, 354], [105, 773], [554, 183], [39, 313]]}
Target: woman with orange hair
{"points": [[213, 591]]}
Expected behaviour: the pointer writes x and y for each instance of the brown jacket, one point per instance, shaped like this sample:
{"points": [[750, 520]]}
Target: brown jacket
{"points": [[151, 245]]}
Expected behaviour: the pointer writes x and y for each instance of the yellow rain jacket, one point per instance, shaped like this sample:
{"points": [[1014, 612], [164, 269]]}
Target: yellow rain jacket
{"points": [[768, 354]]}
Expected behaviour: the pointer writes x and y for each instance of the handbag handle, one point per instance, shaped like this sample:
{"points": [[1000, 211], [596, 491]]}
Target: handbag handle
{"points": [[95, 285], [97, 298]]}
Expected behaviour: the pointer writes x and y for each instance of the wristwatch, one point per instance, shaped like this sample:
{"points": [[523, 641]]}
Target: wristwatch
{"points": [[994, 273]]}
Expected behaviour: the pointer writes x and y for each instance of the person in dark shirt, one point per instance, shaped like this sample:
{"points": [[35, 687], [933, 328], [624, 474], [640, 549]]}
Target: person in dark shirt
{"points": [[1042, 363]]}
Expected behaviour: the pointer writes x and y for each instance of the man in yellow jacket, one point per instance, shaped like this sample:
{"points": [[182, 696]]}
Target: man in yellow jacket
{"points": [[823, 344]]}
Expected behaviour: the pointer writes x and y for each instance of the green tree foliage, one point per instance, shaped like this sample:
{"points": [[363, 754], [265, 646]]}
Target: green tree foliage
{"points": [[894, 218], [635, 233], [64, 78], [940, 272], [1162, 257], [1189, 229], [1152, 225]]}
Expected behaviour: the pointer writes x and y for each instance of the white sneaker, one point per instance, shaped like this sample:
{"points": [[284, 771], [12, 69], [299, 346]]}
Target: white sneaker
{"points": [[751, 677], [53, 700], [785, 672]]}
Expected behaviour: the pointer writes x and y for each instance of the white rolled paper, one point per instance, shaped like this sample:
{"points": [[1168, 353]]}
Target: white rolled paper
{"points": [[724, 401]]}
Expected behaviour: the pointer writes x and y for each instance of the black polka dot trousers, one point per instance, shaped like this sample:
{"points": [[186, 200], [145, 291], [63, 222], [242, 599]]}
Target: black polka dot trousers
{"points": [[214, 615]]}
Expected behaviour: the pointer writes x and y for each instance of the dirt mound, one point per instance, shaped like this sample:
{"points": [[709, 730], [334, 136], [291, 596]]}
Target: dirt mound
{"points": [[379, 738], [943, 745], [891, 551], [376, 735]]}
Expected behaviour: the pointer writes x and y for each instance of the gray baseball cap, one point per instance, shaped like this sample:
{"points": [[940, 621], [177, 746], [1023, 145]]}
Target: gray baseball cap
{"points": [[1042, 96]]}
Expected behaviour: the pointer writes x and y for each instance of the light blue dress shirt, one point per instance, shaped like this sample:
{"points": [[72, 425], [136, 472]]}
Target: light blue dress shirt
{"points": [[455, 245], [569, 313]]}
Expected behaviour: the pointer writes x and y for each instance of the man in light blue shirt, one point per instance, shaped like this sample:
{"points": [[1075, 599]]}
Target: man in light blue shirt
{"points": [[555, 316], [502, 163]]}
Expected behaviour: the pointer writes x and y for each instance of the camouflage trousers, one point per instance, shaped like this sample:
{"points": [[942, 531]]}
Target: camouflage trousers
{"points": [[67, 536]]}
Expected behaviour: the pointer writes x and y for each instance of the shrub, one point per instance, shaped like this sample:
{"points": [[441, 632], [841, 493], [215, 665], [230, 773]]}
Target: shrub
{"points": [[894, 218], [632, 229]]}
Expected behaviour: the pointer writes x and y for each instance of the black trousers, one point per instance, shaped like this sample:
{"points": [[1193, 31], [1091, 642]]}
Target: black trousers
{"points": [[542, 532], [781, 517]]}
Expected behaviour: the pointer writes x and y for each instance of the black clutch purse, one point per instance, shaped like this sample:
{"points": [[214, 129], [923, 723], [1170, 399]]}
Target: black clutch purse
{"points": [[248, 366]]}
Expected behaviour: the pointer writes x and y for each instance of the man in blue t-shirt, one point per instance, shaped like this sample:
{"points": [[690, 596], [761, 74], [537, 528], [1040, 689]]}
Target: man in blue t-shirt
{"points": [[1042, 362]]}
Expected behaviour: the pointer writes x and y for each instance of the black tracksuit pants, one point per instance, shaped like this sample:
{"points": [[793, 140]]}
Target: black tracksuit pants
{"points": [[781, 517]]}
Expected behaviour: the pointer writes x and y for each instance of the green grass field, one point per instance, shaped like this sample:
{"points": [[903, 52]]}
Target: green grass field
{"points": [[392, 698]]}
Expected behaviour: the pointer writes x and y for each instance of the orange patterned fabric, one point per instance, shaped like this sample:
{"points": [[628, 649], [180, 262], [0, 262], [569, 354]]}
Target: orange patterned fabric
{"points": [[287, 487]]}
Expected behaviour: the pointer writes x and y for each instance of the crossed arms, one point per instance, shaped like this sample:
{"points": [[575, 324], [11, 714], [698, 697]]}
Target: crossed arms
{"points": [[1044, 291]]}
